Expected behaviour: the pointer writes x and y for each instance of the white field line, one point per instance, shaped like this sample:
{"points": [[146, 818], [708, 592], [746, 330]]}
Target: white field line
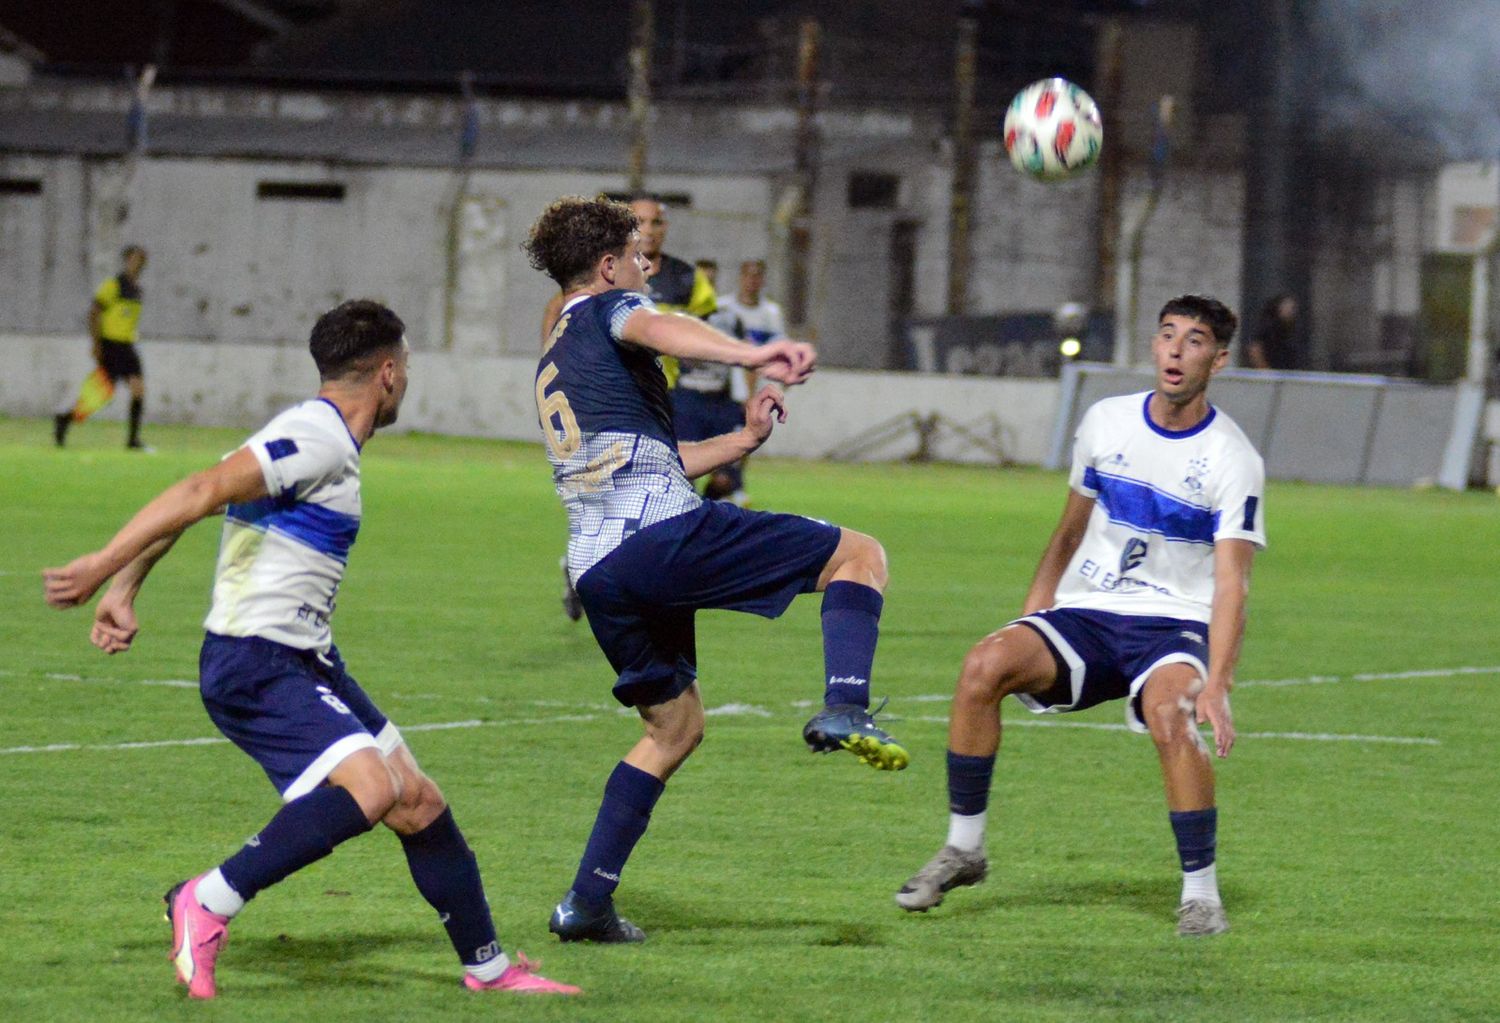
{"points": [[1104, 726], [727, 710], [740, 709], [1373, 676], [1306, 680]]}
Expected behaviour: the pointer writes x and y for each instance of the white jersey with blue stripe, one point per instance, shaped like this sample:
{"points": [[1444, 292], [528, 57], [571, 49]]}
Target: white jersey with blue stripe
{"points": [[760, 323], [1162, 499], [281, 558]]}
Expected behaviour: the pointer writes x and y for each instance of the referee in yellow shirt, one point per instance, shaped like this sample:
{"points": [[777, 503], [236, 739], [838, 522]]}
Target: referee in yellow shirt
{"points": [[113, 325]]}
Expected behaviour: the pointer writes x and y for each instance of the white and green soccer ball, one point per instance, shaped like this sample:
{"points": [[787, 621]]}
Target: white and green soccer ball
{"points": [[1052, 130]]}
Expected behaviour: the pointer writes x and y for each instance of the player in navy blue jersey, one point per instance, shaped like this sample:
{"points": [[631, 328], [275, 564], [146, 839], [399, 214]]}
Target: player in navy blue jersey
{"points": [[673, 284], [270, 676], [646, 552]]}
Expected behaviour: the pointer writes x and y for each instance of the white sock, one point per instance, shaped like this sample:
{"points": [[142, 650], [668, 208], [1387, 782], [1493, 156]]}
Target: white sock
{"points": [[215, 895], [1201, 884], [490, 969], [966, 833]]}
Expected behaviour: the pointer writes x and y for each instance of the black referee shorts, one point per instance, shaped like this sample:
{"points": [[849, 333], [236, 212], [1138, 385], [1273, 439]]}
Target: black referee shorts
{"points": [[120, 359]]}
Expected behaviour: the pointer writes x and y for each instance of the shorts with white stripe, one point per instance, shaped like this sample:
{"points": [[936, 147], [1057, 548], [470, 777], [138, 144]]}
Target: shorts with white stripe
{"points": [[297, 713], [1103, 656]]}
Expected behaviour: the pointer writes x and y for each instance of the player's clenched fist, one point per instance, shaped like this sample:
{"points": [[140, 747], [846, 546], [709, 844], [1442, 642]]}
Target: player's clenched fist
{"points": [[763, 411], [786, 362], [74, 583]]}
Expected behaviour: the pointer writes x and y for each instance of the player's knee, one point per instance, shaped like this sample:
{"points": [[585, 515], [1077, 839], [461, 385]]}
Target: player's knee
{"points": [[419, 804], [984, 672], [1169, 716], [682, 740], [419, 796], [376, 792], [869, 556], [677, 739]]}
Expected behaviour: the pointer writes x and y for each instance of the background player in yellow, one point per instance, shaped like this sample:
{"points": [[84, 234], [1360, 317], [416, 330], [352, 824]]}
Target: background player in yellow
{"points": [[114, 319]]}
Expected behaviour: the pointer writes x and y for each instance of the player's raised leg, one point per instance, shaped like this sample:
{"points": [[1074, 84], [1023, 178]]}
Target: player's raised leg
{"points": [[674, 728], [853, 585], [1012, 660], [1167, 708], [446, 872]]}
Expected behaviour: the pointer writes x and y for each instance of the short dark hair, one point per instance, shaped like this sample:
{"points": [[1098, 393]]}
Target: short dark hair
{"points": [[573, 234], [130, 249], [1206, 310], [346, 339], [706, 264]]}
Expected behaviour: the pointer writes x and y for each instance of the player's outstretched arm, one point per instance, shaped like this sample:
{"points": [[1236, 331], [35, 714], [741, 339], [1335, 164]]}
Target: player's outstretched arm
{"points": [[785, 361], [115, 624], [762, 412], [1226, 630], [236, 478], [1060, 549]]}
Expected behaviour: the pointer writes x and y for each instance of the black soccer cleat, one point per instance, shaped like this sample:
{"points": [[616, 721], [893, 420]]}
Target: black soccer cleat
{"points": [[60, 424], [852, 727], [572, 920]]}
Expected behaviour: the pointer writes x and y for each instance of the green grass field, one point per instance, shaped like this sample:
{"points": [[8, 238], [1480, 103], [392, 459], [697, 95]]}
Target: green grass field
{"points": [[1359, 826]]}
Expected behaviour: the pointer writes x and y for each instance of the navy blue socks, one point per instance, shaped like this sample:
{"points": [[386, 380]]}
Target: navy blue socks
{"points": [[447, 874], [851, 625], [302, 832], [969, 783], [629, 796], [1197, 834]]}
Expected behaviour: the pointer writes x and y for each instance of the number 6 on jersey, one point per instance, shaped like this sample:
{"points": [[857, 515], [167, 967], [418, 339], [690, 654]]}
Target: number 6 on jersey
{"points": [[556, 404]]}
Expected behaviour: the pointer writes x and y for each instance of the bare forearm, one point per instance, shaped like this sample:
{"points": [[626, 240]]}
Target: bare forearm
{"points": [[1226, 633], [94, 330], [160, 522], [699, 458], [128, 580], [685, 337]]}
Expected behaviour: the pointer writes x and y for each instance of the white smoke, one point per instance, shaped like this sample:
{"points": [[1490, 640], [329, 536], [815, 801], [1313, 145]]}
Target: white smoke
{"points": [[1426, 69]]}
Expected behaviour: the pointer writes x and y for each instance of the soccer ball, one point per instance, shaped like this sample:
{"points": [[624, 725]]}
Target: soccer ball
{"points": [[1052, 129]]}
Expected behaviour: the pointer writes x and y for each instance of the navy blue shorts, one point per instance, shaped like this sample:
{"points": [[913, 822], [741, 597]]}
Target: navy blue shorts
{"points": [[699, 416], [297, 713], [641, 597], [1102, 656]]}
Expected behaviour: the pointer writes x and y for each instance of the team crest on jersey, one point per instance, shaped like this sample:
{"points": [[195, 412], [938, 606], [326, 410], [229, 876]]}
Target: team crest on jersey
{"points": [[1117, 461], [1133, 555], [1197, 468]]}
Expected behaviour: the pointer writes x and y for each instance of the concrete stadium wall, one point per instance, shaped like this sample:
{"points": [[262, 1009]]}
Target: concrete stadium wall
{"points": [[858, 415], [841, 414], [227, 266]]}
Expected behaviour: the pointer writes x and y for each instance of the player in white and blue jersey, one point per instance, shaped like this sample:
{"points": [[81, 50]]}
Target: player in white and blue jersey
{"points": [[270, 676], [1140, 596], [646, 552], [709, 401], [760, 320]]}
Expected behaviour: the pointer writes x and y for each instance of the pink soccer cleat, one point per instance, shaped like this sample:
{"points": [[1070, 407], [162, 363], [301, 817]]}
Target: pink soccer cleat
{"points": [[198, 937], [522, 978]]}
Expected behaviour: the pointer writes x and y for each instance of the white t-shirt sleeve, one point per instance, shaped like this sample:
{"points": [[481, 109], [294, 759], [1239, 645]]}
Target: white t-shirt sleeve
{"points": [[294, 456], [1081, 478], [1239, 502]]}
